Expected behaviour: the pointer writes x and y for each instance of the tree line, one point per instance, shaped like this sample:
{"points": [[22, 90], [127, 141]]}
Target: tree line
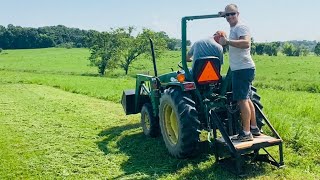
{"points": [[17, 37], [289, 48]]}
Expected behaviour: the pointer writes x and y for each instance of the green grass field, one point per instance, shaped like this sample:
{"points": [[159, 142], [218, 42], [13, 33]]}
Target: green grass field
{"points": [[59, 119]]}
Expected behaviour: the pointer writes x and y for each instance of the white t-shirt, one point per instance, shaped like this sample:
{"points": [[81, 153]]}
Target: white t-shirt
{"points": [[240, 58]]}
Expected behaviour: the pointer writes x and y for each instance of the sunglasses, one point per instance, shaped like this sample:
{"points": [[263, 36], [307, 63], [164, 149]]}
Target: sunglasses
{"points": [[230, 14]]}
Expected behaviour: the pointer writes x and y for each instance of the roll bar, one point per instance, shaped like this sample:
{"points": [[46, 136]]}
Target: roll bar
{"points": [[184, 38]]}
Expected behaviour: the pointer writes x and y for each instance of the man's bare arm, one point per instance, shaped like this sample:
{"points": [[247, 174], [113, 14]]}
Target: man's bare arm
{"points": [[243, 42]]}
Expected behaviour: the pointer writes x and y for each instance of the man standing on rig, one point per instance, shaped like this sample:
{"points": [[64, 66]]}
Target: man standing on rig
{"points": [[243, 71]]}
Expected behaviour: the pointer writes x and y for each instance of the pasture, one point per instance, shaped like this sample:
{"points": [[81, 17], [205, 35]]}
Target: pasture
{"points": [[59, 119]]}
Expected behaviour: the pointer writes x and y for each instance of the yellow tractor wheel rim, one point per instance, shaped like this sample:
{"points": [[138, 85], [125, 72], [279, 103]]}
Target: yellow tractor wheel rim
{"points": [[171, 124], [146, 121]]}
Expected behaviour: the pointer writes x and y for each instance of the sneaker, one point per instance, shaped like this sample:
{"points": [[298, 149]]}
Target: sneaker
{"points": [[242, 137], [255, 131]]}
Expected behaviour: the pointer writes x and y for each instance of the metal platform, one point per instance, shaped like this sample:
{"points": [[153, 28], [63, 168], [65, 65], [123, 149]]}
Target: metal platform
{"points": [[238, 151], [258, 142]]}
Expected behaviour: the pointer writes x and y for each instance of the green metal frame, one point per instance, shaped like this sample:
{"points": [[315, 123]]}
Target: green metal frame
{"points": [[184, 38], [156, 84], [152, 91], [226, 80]]}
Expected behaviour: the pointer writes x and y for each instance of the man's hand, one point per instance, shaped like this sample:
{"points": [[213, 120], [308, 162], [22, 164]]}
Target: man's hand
{"points": [[222, 14], [223, 41], [189, 58]]}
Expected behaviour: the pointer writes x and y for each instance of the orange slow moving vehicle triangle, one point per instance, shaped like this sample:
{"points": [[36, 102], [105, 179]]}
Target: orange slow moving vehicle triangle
{"points": [[208, 74]]}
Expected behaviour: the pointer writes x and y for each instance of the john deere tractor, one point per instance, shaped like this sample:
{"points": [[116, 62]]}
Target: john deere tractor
{"points": [[181, 104]]}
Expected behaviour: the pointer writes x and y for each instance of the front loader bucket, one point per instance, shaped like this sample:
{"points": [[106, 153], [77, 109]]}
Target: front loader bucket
{"points": [[128, 101]]}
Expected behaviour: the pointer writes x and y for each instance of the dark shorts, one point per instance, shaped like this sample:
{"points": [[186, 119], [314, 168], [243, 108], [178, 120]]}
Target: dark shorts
{"points": [[241, 83]]}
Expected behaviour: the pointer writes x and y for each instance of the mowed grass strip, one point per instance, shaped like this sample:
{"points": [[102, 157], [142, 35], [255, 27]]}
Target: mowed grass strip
{"points": [[103, 88], [49, 133]]}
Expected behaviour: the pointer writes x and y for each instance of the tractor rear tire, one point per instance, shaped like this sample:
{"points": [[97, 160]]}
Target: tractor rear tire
{"points": [[255, 98], [179, 123], [149, 123]]}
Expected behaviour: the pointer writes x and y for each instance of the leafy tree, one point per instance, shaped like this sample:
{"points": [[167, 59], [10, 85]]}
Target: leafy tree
{"points": [[120, 48], [133, 47], [44, 41], [268, 49], [317, 49], [163, 35], [305, 51], [105, 51], [288, 49], [90, 38], [271, 49], [6, 40], [275, 48], [297, 52], [173, 44], [260, 48]]}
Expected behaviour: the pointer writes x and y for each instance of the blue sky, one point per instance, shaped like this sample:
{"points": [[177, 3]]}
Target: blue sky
{"points": [[269, 20]]}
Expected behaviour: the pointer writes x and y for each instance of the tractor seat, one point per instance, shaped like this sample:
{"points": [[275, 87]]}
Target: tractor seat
{"points": [[206, 70]]}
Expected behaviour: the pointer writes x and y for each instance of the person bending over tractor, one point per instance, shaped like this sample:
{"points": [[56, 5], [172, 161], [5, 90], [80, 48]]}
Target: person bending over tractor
{"points": [[243, 71], [206, 47]]}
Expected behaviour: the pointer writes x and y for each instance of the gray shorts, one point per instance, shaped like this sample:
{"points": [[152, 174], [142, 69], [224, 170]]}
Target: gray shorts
{"points": [[241, 83]]}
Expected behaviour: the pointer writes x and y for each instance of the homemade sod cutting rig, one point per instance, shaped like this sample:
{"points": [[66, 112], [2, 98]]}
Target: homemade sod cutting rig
{"points": [[180, 104]]}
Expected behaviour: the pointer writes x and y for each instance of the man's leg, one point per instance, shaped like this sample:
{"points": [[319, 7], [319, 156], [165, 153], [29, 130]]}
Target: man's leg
{"points": [[241, 83], [253, 127], [253, 121], [246, 114]]}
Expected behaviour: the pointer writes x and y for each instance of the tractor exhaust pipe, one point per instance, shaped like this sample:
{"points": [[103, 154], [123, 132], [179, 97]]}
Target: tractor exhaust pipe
{"points": [[153, 58]]}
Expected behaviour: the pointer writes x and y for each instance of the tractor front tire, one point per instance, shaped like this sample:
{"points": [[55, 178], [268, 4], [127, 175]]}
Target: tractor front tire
{"points": [[179, 123], [149, 123]]}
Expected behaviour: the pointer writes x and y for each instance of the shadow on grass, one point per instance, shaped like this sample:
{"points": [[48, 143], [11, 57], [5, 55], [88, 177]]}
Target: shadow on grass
{"points": [[149, 158]]}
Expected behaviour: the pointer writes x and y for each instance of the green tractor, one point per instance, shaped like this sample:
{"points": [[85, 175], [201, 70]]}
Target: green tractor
{"points": [[181, 104]]}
